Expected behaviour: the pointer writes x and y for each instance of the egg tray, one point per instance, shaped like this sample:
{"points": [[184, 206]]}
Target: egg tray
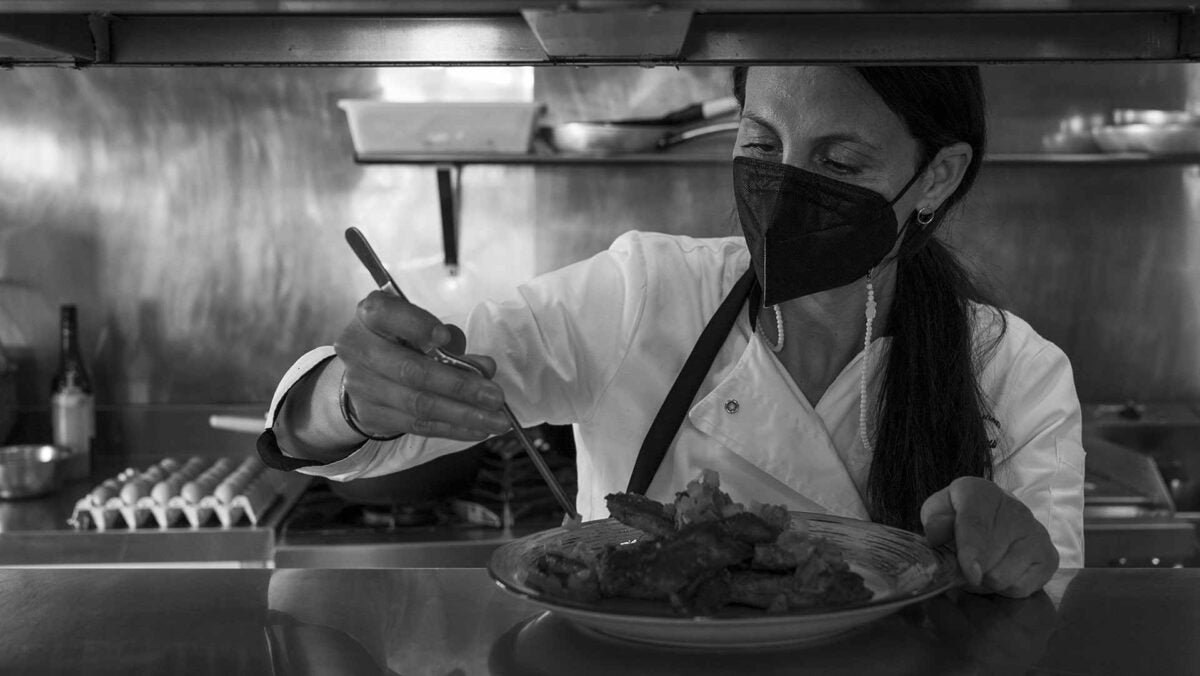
{"points": [[178, 513]]}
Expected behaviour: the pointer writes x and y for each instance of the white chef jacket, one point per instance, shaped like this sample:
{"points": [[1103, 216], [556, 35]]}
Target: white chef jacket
{"points": [[599, 343]]}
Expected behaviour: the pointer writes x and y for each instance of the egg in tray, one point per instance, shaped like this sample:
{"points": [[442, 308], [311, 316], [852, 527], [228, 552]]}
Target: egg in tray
{"points": [[176, 493]]}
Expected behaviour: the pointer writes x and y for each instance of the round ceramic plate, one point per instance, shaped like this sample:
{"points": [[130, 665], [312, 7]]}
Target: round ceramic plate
{"points": [[898, 567]]}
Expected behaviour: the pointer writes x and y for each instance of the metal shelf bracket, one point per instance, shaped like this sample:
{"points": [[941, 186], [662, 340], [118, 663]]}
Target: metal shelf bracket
{"points": [[449, 180]]}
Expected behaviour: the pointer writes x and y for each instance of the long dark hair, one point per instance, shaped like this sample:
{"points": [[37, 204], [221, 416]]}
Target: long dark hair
{"points": [[931, 412]]}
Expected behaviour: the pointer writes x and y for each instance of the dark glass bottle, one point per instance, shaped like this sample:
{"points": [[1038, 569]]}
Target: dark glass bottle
{"points": [[72, 406]]}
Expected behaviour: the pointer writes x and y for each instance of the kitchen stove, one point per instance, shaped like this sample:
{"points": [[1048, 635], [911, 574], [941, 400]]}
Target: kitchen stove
{"points": [[508, 499]]}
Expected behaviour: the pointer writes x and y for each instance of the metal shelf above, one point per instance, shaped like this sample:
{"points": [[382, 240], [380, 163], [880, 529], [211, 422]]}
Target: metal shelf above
{"points": [[582, 32], [494, 7], [550, 159]]}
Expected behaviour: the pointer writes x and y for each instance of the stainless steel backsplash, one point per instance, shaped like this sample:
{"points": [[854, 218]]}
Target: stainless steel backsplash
{"points": [[195, 216]]}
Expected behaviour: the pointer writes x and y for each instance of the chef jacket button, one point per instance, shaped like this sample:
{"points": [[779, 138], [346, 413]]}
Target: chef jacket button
{"points": [[732, 406]]}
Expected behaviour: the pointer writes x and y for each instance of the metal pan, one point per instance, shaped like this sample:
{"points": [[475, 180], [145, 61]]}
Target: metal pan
{"points": [[612, 138], [704, 110], [641, 134]]}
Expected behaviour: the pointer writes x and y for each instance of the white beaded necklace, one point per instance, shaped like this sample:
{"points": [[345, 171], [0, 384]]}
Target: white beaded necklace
{"points": [[775, 347], [866, 358]]}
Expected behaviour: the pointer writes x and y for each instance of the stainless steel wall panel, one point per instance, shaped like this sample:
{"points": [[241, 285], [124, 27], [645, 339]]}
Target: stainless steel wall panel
{"points": [[195, 216], [1096, 260]]}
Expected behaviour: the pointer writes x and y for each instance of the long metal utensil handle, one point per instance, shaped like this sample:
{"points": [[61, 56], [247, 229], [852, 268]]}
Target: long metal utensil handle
{"points": [[383, 279], [370, 260], [540, 463], [459, 361]]}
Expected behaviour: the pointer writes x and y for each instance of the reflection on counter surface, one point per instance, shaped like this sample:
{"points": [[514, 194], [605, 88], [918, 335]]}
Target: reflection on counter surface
{"points": [[457, 622]]}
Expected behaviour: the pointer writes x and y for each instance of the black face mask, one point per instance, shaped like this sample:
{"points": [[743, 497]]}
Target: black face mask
{"points": [[809, 233]]}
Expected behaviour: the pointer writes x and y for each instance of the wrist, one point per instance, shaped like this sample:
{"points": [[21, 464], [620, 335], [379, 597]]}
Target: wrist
{"points": [[309, 424], [346, 406]]}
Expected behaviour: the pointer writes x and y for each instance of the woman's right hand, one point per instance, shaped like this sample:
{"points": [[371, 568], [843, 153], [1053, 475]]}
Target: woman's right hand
{"points": [[395, 389]]}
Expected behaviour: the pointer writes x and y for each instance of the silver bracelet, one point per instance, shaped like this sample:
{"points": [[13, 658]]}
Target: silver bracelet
{"points": [[348, 414]]}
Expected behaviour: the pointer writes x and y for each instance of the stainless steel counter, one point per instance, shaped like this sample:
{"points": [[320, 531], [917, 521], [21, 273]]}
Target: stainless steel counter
{"points": [[1089, 621], [447, 548]]}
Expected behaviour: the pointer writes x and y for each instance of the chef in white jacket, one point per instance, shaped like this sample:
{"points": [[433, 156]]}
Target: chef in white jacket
{"points": [[836, 358]]}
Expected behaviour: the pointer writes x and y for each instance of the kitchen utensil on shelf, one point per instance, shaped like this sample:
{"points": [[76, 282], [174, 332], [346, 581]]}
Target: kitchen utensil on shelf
{"points": [[389, 130], [29, 470], [704, 110], [1156, 139], [1157, 132], [642, 134], [1156, 117], [383, 279], [1074, 135], [608, 139]]}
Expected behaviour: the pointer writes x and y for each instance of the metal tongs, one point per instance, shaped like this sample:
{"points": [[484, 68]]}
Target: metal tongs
{"points": [[383, 279]]}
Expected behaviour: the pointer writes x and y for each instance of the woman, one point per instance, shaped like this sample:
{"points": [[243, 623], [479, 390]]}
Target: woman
{"points": [[956, 418]]}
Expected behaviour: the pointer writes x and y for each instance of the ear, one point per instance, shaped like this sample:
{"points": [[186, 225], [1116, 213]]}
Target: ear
{"points": [[944, 174]]}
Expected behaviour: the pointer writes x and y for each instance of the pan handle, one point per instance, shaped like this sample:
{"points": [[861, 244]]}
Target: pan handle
{"points": [[705, 110], [695, 112], [697, 132]]}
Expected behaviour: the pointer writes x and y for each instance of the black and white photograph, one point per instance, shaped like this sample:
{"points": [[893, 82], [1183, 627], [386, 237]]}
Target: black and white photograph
{"points": [[595, 337]]}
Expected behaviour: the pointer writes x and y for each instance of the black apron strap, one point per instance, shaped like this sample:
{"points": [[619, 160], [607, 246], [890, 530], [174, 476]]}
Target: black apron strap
{"points": [[679, 398]]}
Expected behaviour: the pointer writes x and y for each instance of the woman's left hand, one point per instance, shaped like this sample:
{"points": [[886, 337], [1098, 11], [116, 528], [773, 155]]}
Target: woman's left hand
{"points": [[1001, 547]]}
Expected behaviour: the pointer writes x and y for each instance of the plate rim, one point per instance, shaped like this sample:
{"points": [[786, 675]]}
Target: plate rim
{"points": [[946, 577]]}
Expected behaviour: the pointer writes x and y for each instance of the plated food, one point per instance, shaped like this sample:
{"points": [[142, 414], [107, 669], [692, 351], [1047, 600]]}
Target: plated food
{"points": [[551, 569], [701, 553]]}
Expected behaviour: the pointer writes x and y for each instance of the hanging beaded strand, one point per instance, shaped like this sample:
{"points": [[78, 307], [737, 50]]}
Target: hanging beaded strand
{"points": [[775, 347], [866, 358]]}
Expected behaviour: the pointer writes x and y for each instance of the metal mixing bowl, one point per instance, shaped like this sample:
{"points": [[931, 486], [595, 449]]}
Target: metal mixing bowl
{"points": [[28, 470], [1157, 139], [1155, 117]]}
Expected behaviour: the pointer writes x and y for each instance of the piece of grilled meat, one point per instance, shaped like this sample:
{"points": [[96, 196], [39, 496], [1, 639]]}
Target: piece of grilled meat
{"points": [[704, 596], [751, 529], [620, 569], [640, 512], [564, 577], [668, 566], [818, 580]]}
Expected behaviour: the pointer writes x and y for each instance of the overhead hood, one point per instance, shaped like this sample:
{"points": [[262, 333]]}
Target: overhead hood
{"points": [[583, 32]]}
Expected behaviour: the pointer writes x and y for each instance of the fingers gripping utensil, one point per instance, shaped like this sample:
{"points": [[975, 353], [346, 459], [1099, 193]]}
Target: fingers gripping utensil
{"points": [[383, 279]]}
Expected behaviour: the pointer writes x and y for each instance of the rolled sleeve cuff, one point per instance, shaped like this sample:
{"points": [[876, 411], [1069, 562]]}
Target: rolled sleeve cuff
{"points": [[275, 457]]}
